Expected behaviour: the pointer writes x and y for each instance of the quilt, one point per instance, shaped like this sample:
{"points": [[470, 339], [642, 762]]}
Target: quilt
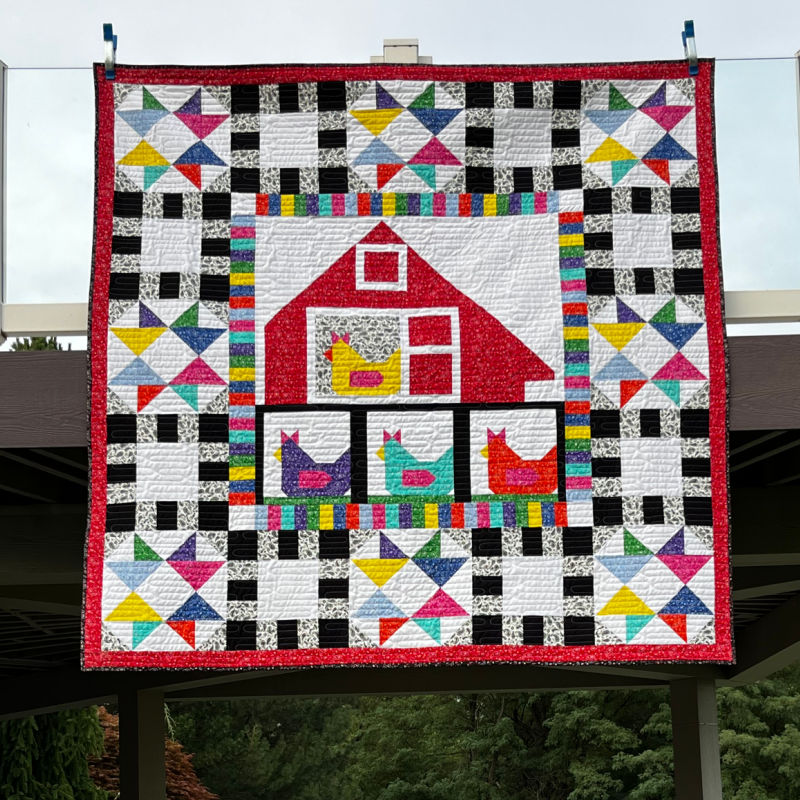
{"points": [[406, 364]]}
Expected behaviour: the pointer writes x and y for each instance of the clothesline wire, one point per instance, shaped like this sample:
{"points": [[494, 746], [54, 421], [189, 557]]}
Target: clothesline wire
{"points": [[746, 58]]}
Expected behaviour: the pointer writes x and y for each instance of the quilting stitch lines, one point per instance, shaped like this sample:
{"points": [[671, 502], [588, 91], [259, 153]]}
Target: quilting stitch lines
{"points": [[408, 368]]}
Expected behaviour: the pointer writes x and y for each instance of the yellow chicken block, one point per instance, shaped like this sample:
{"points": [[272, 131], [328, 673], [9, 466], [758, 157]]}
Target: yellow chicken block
{"points": [[353, 375]]}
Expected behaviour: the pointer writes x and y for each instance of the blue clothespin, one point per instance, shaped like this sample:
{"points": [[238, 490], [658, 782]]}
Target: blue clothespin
{"points": [[111, 50], [690, 46]]}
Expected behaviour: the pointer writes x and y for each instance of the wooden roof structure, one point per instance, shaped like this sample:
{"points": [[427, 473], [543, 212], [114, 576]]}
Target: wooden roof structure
{"points": [[43, 505]]}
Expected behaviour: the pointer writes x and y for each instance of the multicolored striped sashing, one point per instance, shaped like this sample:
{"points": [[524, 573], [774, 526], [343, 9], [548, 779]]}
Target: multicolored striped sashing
{"points": [[242, 413], [385, 516], [377, 204], [577, 390]]}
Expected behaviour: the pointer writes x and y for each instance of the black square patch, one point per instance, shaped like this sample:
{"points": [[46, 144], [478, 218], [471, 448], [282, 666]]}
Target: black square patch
{"points": [[288, 97], [123, 286], [288, 545], [334, 633], [334, 544], [479, 94], [487, 629], [523, 95], [533, 630], [532, 542], [567, 176], [241, 635], [578, 631], [245, 590], [480, 180], [212, 515], [487, 542], [287, 634], [567, 94], [244, 99], [607, 510], [331, 96], [333, 180], [242, 545]]}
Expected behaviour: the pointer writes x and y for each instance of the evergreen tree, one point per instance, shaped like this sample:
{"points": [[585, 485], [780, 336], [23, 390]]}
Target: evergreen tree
{"points": [[37, 343], [535, 746], [46, 757]]}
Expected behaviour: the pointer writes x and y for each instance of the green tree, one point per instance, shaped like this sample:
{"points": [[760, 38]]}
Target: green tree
{"points": [[493, 747], [266, 748], [37, 343], [46, 757], [759, 738], [534, 746]]}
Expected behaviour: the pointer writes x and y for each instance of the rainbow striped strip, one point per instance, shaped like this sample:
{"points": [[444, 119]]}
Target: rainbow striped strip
{"points": [[242, 380], [577, 388], [376, 204], [379, 516]]}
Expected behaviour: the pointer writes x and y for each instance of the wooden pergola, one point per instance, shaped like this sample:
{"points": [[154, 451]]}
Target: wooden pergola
{"points": [[43, 492], [43, 505]]}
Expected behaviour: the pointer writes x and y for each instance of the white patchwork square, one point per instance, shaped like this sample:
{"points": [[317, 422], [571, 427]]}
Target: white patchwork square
{"points": [[289, 140], [651, 467], [533, 585], [166, 471], [288, 589], [244, 204], [642, 240], [522, 136], [171, 245]]}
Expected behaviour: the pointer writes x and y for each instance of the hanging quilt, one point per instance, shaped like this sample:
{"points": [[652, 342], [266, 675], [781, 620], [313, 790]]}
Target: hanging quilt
{"points": [[404, 364]]}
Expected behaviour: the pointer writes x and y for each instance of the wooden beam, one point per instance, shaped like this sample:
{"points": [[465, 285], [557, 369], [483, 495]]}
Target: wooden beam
{"points": [[56, 689], [52, 690], [764, 523], [142, 733], [61, 599], [58, 473], [43, 399], [759, 581], [443, 679], [663, 673], [767, 645], [765, 383], [42, 544], [695, 740]]}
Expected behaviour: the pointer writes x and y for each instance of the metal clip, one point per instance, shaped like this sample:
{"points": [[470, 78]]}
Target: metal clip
{"points": [[110, 40], [690, 46]]}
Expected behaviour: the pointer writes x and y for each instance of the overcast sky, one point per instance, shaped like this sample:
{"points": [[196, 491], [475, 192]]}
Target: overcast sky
{"points": [[51, 113]]}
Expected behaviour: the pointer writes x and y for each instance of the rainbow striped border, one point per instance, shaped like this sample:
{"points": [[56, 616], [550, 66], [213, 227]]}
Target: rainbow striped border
{"points": [[577, 385], [242, 444], [384, 516], [391, 204], [242, 363]]}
